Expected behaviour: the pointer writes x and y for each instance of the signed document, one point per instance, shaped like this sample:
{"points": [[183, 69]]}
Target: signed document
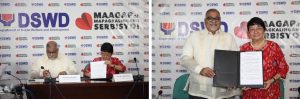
{"points": [[98, 69], [238, 69], [251, 71]]}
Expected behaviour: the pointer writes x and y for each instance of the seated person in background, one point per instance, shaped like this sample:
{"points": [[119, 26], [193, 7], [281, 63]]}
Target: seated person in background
{"points": [[54, 63], [114, 65]]}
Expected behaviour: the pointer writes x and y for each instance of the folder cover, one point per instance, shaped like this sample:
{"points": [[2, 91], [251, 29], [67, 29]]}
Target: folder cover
{"points": [[228, 71]]}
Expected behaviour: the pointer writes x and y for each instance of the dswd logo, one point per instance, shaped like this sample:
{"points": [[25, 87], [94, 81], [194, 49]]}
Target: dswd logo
{"points": [[84, 22], [167, 28], [7, 19]]}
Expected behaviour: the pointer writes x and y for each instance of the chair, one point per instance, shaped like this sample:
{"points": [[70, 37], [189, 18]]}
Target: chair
{"points": [[178, 92], [281, 89]]}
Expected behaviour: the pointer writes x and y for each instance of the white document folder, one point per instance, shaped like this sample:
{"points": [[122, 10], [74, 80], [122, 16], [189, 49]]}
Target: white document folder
{"points": [[98, 70]]}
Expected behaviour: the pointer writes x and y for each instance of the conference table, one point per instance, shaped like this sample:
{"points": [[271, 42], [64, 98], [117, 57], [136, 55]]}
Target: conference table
{"points": [[89, 90]]}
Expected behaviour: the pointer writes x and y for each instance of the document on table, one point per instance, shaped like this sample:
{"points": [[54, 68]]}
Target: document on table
{"points": [[251, 69], [98, 69]]}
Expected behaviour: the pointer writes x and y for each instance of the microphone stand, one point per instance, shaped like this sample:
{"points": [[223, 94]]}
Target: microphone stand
{"points": [[18, 89], [52, 81], [138, 77]]}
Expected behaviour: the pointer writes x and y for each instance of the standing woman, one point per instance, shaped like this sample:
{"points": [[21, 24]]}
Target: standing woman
{"points": [[274, 64]]}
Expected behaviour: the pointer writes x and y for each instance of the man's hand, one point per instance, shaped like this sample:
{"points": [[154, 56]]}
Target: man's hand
{"points": [[208, 72], [246, 88], [62, 73], [46, 74]]}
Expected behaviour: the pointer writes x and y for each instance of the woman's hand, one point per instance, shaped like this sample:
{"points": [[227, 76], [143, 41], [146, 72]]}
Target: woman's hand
{"points": [[86, 73], [108, 62], [268, 83]]}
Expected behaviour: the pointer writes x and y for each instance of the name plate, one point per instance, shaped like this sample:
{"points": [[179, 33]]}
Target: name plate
{"points": [[122, 77], [69, 78]]}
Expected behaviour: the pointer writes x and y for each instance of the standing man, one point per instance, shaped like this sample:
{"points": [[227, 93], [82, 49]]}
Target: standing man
{"points": [[198, 58], [54, 63]]}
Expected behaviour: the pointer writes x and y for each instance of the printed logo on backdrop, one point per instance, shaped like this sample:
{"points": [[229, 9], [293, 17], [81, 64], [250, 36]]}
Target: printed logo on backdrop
{"points": [[262, 12], [278, 29], [295, 11], [70, 4], [167, 28], [282, 29], [262, 4], [37, 54], [5, 38], [7, 19], [294, 55], [71, 54], [295, 46], [196, 5], [213, 4], [53, 4], [4, 4], [84, 22], [21, 38], [37, 4], [28, 22], [180, 30], [228, 4], [102, 4], [294, 80], [5, 55], [245, 4], [294, 63], [241, 31], [108, 21], [295, 3], [277, 3]]}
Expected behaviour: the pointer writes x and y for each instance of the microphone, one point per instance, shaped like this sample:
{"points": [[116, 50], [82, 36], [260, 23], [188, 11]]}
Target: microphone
{"points": [[136, 66], [159, 93], [48, 79], [18, 89], [299, 90], [138, 77]]}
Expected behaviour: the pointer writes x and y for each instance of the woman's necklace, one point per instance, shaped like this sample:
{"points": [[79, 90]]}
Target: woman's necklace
{"points": [[258, 46]]}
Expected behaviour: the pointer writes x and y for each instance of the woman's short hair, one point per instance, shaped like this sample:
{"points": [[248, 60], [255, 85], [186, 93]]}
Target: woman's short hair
{"points": [[256, 21], [107, 47]]}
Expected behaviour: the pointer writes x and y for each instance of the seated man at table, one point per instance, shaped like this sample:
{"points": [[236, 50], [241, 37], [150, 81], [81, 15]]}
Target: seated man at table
{"points": [[114, 65], [54, 64]]}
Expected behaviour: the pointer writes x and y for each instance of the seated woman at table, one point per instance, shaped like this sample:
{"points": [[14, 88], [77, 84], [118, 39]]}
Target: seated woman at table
{"points": [[274, 64], [114, 65]]}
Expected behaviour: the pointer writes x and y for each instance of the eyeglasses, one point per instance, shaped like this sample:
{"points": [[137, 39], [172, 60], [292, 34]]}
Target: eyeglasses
{"points": [[252, 30], [210, 19]]}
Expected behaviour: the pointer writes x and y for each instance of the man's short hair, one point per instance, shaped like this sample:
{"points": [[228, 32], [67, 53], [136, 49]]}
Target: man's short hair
{"points": [[48, 44], [107, 47], [256, 21], [211, 10]]}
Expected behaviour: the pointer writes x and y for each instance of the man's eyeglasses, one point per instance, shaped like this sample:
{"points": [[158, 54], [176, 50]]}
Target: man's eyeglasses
{"points": [[210, 19]]}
